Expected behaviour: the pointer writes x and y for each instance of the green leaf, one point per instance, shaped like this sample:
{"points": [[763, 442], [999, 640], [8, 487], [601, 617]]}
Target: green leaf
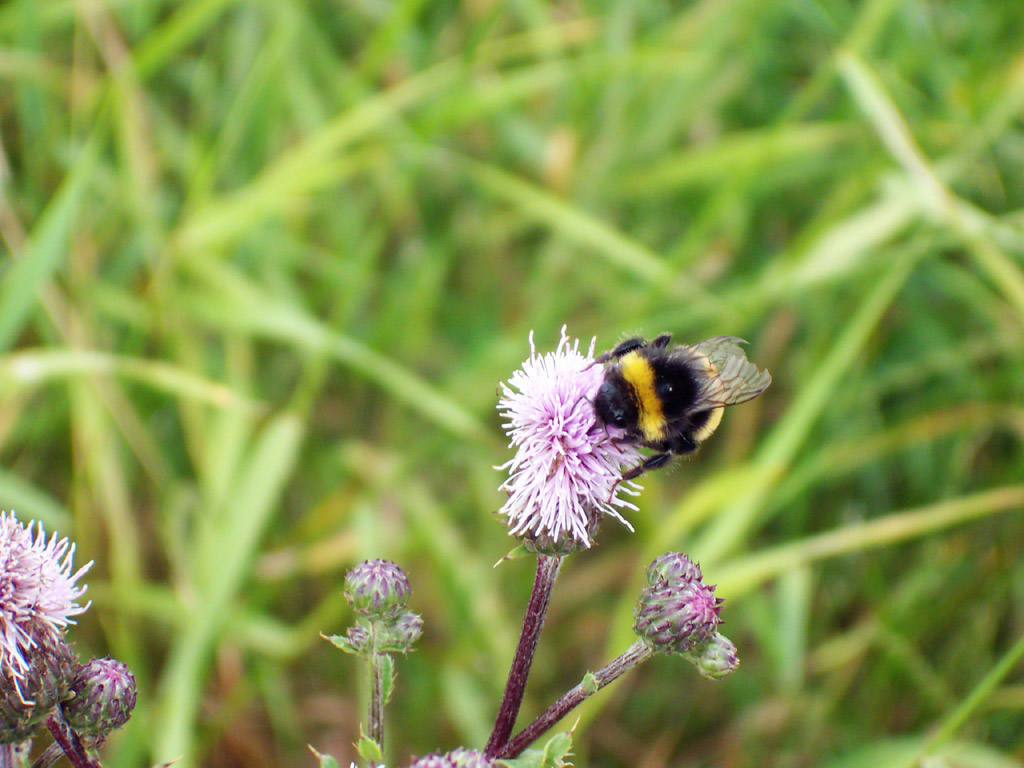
{"points": [[326, 761], [46, 249], [515, 554], [342, 642], [554, 754], [903, 752], [590, 683], [370, 750], [225, 549]]}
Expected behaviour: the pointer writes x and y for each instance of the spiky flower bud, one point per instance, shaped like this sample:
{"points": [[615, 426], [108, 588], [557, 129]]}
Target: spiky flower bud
{"points": [[377, 587], [717, 658], [673, 567], [358, 638], [674, 618], [403, 632], [457, 758], [468, 758], [26, 699], [102, 697], [432, 761]]}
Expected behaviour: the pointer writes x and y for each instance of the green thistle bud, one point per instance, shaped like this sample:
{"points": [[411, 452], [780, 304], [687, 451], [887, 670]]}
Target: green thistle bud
{"points": [[402, 632], [27, 698], [717, 658], [377, 587], [674, 618], [102, 697], [673, 567], [564, 544]]}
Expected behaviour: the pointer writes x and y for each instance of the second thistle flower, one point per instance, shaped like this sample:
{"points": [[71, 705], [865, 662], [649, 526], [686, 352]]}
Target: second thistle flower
{"points": [[676, 612], [103, 695], [39, 598]]}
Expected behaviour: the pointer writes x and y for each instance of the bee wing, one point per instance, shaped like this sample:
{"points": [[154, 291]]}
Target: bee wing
{"points": [[732, 378]]}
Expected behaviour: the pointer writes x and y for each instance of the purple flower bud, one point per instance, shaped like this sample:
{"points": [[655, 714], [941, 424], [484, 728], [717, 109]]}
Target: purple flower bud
{"points": [[102, 697], [26, 699], [358, 638], [433, 761], [404, 631], [717, 658], [468, 758], [377, 587], [673, 567], [674, 618], [457, 758]]}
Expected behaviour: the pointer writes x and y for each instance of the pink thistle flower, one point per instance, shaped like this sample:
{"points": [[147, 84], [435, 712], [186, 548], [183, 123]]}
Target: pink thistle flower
{"points": [[38, 591], [565, 475]]}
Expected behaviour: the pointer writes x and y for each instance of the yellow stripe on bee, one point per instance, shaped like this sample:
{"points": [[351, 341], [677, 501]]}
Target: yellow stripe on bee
{"points": [[715, 415], [714, 419], [639, 374]]}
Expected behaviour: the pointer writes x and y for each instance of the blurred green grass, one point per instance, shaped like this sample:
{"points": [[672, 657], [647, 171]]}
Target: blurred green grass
{"points": [[264, 263]]}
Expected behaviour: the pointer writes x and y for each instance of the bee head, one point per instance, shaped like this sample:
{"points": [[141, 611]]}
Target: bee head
{"points": [[612, 406]]}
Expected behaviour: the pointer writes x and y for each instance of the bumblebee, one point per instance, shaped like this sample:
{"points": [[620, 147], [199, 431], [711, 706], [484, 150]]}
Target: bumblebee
{"points": [[670, 398]]}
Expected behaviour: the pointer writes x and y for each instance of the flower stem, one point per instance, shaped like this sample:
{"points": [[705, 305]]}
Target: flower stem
{"points": [[636, 654], [376, 724], [536, 608], [49, 756], [69, 741]]}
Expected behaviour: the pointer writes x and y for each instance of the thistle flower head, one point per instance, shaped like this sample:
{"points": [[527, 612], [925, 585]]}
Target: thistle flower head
{"points": [[565, 475], [38, 592], [103, 697], [377, 587], [677, 617]]}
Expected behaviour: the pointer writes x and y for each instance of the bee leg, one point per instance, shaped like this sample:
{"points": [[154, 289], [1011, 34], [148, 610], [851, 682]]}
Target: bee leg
{"points": [[661, 341], [627, 346], [658, 460]]}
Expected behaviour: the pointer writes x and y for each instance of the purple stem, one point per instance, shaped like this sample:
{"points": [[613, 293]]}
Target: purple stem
{"points": [[637, 653], [49, 756], [69, 742], [512, 699]]}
